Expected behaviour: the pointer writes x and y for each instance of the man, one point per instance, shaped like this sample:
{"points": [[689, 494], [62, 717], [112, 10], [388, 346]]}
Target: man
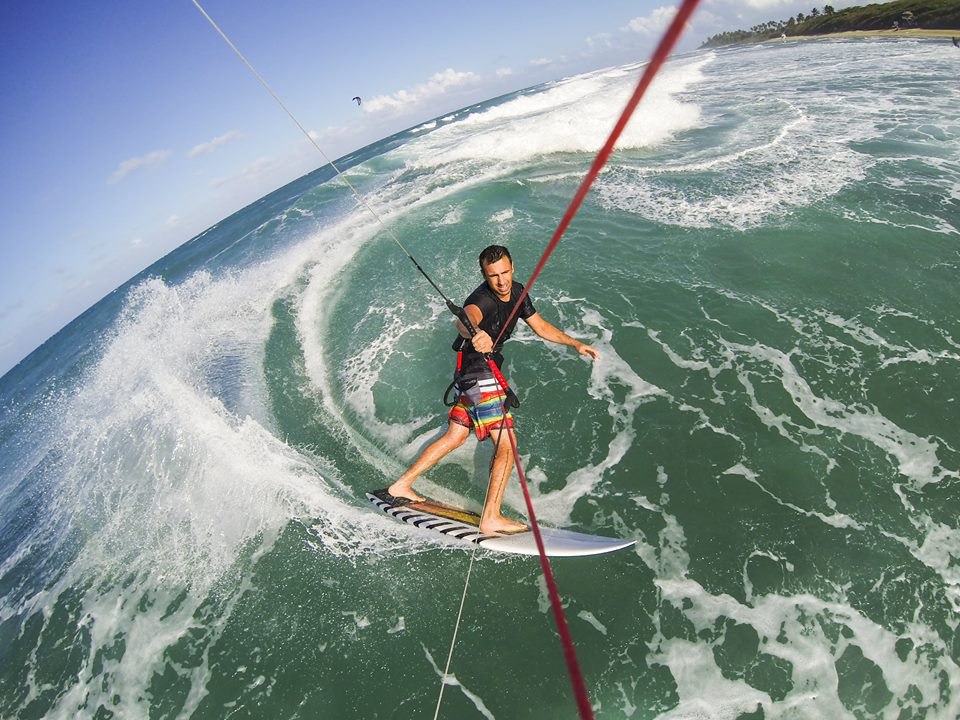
{"points": [[478, 405]]}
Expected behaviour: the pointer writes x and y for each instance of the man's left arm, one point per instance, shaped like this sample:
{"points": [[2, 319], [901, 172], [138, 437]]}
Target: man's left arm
{"points": [[548, 332]]}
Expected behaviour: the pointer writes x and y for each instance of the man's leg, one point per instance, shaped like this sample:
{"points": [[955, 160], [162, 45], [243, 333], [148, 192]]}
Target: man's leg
{"points": [[500, 467], [455, 436]]}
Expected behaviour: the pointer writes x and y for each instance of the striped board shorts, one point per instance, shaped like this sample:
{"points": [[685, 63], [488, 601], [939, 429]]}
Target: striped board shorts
{"points": [[483, 414]]}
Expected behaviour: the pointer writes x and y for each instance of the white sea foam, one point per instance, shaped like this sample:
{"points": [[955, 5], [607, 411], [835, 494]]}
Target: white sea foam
{"points": [[784, 148], [916, 457], [165, 483], [169, 468], [573, 116], [589, 618], [810, 637], [752, 186], [837, 520], [797, 629], [454, 216], [172, 468], [203, 476], [705, 694], [607, 375], [451, 680], [359, 372]]}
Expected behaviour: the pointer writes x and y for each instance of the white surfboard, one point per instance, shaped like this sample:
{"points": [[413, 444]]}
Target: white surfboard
{"points": [[464, 525]]}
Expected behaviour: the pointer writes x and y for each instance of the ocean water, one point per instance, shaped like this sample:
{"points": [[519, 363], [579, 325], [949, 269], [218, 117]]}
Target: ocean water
{"points": [[769, 268]]}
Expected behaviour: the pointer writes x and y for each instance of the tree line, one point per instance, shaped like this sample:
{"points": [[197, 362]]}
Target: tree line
{"points": [[943, 14]]}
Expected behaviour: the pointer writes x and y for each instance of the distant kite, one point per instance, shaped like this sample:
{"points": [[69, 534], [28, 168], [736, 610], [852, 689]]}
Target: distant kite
{"points": [[357, 97]]}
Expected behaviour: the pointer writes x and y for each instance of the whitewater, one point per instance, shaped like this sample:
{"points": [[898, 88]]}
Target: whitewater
{"points": [[768, 267]]}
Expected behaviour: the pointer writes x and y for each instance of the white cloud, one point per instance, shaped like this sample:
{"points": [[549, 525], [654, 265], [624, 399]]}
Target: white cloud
{"points": [[136, 163], [541, 61], [504, 71], [654, 23], [439, 84], [173, 220], [600, 40], [208, 147]]}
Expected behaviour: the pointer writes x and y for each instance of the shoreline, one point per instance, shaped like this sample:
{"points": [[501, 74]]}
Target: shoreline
{"points": [[907, 32]]}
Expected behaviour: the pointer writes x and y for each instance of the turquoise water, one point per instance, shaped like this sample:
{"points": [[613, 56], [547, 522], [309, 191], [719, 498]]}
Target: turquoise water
{"points": [[767, 266]]}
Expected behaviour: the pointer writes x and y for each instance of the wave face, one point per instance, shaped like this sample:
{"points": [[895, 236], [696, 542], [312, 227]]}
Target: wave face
{"points": [[768, 267]]}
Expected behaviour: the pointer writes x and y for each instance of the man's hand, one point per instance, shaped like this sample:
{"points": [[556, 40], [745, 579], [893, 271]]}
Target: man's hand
{"points": [[551, 334], [482, 342], [588, 351]]}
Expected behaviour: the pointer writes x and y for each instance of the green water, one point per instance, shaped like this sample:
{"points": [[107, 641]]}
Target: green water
{"points": [[767, 267]]}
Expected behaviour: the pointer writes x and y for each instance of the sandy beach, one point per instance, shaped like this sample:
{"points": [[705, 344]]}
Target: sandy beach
{"points": [[908, 32]]}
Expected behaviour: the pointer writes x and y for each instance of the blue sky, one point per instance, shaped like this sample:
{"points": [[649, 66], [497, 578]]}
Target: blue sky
{"points": [[127, 128]]}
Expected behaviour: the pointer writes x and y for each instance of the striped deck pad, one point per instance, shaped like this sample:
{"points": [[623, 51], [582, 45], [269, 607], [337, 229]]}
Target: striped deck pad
{"points": [[463, 525]]}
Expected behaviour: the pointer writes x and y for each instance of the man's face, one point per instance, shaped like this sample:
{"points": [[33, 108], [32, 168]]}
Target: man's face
{"points": [[499, 276]]}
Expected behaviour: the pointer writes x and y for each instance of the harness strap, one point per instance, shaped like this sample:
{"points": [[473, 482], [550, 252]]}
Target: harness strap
{"points": [[512, 401], [458, 382]]}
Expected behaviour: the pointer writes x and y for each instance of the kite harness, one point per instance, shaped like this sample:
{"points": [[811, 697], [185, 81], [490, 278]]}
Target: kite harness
{"points": [[461, 382]]}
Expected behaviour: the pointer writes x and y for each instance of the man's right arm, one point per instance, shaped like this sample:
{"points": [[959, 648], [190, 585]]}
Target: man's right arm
{"points": [[482, 342]]}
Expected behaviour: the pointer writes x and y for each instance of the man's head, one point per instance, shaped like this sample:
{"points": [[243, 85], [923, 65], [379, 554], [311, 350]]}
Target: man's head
{"points": [[492, 253], [497, 268]]}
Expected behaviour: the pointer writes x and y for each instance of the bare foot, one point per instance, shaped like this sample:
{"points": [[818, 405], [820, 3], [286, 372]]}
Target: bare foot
{"points": [[400, 490], [501, 526]]}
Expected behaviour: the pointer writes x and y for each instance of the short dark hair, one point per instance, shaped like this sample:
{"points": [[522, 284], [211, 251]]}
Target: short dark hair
{"points": [[493, 253]]}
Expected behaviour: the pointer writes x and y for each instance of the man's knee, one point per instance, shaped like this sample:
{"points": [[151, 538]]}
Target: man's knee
{"points": [[457, 434], [502, 441]]}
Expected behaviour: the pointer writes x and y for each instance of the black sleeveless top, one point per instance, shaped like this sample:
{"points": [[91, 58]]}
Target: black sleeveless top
{"points": [[495, 313]]}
